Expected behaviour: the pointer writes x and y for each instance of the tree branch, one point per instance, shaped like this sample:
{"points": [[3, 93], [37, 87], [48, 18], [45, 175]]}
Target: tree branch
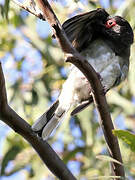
{"points": [[46, 153], [31, 10], [97, 90]]}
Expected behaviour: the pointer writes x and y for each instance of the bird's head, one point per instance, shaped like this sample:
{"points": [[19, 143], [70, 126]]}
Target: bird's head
{"points": [[118, 30]]}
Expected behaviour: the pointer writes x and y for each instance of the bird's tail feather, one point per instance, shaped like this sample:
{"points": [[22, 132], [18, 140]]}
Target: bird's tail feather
{"points": [[49, 120], [49, 127]]}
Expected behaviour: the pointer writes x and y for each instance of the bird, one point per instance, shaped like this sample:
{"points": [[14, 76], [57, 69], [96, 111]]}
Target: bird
{"points": [[104, 41]]}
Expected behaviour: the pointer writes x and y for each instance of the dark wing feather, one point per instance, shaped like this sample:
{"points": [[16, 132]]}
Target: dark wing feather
{"points": [[82, 106], [79, 29]]}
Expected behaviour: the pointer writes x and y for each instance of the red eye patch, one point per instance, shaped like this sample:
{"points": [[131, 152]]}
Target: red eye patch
{"points": [[110, 23]]}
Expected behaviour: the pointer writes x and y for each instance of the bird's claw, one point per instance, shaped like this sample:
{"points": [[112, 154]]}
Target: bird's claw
{"points": [[104, 90], [99, 76]]}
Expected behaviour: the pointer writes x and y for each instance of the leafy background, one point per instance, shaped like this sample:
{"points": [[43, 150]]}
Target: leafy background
{"points": [[35, 71]]}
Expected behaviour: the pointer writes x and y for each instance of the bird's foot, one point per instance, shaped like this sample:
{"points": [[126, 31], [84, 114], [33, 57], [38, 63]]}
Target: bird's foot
{"points": [[99, 76], [104, 90]]}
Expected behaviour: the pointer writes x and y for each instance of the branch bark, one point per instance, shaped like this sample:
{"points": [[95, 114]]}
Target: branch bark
{"points": [[97, 90], [19, 125]]}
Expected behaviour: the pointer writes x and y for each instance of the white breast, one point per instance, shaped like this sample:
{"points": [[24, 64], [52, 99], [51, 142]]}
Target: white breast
{"points": [[104, 61], [99, 55]]}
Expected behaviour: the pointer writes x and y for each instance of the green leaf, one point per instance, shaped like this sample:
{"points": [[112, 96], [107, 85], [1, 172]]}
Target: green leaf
{"points": [[127, 137], [108, 158], [10, 155], [16, 20], [106, 177], [1, 10], [34, 99], [6, 8], [69, 155]]}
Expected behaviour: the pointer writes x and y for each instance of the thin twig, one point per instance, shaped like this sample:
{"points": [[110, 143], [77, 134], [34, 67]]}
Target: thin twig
{"points": [[19, 125], [98, 95], [23, 6]]}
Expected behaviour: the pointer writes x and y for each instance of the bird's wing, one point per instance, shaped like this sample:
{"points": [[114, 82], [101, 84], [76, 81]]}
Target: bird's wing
{"points": [[82, 106], [80, 30]]}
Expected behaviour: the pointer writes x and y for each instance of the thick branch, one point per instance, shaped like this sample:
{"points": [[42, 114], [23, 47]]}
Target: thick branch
{"points": [[98, 95], [46, 153]]}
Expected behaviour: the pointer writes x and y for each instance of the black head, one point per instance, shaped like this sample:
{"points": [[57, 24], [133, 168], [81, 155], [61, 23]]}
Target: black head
{"points": [[119, 31]]}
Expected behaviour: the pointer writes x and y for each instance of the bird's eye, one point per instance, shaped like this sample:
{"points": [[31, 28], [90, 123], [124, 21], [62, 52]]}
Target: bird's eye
{"points": [[110, 23]]}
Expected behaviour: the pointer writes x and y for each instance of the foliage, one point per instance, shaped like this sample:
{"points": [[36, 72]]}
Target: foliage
{"points": [[127, 137], [35, 71]]}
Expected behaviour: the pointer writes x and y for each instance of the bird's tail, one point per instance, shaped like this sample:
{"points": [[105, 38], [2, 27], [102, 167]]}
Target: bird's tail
{"points": [[49, 120]]}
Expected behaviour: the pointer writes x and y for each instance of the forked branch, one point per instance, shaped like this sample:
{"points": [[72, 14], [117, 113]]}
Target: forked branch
{"points": [[19, 125]]}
